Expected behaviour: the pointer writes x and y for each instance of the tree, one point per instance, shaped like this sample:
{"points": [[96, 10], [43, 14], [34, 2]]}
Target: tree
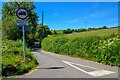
{"points": [[54, 32], [9, 13], [67, 31], [89, 28], [104, 27], [80, 30], [9, 28], [40, 29], [10, 8]]}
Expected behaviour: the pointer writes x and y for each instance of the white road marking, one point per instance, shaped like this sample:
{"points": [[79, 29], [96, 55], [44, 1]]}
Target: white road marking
{"points": [[83, 65], [75, 67], [96, 73]]}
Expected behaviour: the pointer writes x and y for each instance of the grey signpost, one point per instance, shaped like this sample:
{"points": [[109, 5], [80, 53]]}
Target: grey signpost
{"points": [[22, 14], [24, 43]]}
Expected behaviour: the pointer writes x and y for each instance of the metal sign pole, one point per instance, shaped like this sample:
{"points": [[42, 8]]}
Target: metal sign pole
{"points": [[24, 49], [22, 13]]}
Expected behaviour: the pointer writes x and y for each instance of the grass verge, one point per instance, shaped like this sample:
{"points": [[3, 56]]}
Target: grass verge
{"points": [[12, 59]]}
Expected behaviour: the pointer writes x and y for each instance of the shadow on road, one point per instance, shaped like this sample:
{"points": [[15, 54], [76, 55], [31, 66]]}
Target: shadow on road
{"points": [[52, 68]]}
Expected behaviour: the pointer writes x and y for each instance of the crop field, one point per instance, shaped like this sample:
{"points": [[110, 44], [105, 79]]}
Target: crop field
{"points": [[98, 45]]}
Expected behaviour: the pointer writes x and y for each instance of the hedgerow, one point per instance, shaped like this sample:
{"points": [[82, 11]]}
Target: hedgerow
{"points": [[103, 49]]}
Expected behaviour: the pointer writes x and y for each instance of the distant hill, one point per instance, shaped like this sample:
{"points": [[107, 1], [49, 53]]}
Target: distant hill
{"points": [[101, 32]]}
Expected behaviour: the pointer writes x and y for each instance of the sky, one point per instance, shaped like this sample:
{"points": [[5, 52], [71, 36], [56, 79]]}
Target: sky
{"points": [[63, 0], [75, 15], [0, 9]]}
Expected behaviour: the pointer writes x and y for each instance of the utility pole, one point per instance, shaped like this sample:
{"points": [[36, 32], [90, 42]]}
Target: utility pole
{"points": [[42, 24], [85, 24]]}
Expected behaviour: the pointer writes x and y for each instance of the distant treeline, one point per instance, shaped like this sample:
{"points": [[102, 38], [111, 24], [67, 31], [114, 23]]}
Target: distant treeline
{"points": [[68, 31]]}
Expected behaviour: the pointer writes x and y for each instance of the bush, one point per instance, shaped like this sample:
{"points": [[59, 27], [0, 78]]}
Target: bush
{"points": [[54, 32], [80, 30], [10, 30], [67, 31], [12, 58], [97, 48]]}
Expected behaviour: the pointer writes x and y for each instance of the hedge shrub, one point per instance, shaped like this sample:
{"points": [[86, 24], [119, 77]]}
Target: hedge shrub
{"points": [[103, 49]]}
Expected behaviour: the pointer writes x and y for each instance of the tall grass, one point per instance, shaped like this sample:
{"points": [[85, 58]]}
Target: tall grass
{"points": [[12, 58]]}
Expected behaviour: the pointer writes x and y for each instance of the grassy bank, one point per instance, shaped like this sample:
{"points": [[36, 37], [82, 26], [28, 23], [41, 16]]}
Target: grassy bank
{"points": [[100, 45], [13, 61]]}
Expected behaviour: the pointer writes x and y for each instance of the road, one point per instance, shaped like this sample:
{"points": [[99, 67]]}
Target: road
{"points": [[60, 66]]}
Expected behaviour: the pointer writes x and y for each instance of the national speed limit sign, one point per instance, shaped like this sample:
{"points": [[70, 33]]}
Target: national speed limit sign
{"points": [[22, 13]]}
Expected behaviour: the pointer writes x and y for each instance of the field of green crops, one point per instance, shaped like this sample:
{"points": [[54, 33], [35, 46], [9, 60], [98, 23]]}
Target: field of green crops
{"points": [[98, 45]]}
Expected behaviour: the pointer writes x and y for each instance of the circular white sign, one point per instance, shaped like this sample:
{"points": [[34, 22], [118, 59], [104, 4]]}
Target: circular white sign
{"points": [[22, 13]]}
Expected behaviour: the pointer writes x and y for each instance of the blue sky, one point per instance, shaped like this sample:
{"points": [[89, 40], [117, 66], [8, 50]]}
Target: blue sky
{"points": [[0, 9], [63, 15]]}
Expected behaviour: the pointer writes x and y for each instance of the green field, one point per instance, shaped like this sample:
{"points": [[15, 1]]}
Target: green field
{"points": [[59, 31], [103, 32], [98, 45], [91, 32]]}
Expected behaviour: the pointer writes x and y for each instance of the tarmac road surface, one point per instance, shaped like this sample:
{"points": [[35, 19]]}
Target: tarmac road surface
{"points": [[53, 65]]}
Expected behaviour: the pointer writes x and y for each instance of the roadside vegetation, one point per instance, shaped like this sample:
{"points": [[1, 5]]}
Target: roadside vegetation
{"points": [[12, 46], [13, 61], [96, 44], [99, 45]]}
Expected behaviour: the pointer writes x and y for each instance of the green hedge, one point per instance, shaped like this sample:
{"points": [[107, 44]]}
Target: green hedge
{"points": [[103, 49], [12, 58]]}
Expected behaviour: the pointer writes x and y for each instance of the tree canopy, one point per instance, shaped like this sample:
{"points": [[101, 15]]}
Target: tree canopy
{"points": [[9, 17], [10, 8]]}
